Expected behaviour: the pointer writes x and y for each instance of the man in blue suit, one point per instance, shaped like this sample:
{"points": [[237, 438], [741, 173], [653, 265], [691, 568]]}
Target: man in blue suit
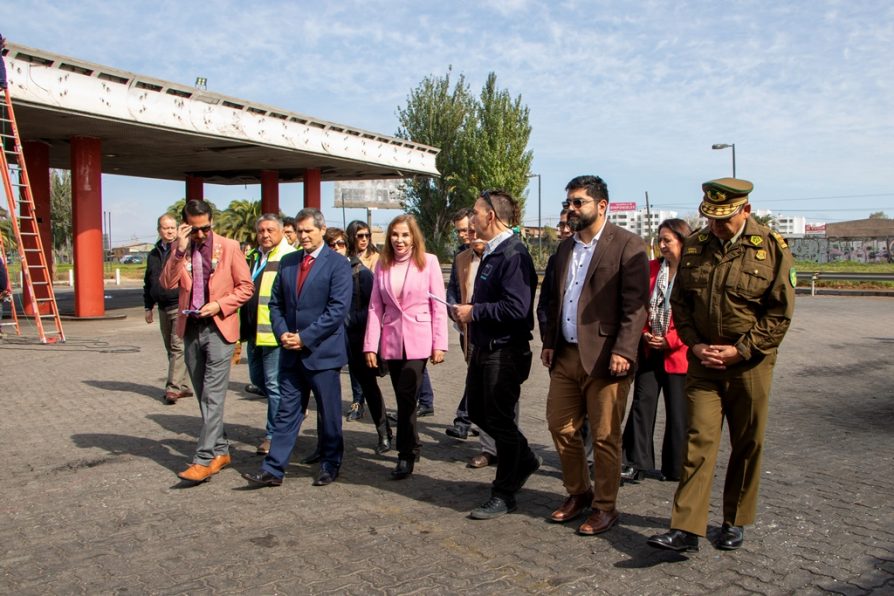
{"points": [[310, 300]]}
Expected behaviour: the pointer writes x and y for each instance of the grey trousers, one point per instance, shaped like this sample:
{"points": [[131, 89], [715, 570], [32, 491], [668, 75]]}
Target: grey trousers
{"points": [[167, 319], [208, 357]]}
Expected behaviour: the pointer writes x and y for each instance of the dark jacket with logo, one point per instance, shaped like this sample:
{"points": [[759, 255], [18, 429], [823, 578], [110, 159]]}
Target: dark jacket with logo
{"points": [[503, 299]]}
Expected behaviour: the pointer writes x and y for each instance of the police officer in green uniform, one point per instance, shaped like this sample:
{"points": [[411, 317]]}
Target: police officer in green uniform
{"points": [[732, 303]]}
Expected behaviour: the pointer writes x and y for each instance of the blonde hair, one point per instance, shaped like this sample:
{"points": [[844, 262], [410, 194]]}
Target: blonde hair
{"points": [[418, 256]]}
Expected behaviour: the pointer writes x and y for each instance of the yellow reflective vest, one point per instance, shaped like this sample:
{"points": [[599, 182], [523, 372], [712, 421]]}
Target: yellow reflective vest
{"points": [[264, 282]]}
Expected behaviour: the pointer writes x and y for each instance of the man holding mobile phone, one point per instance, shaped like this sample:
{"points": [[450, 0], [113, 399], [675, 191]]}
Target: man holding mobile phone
{"points": [[214, 281]]}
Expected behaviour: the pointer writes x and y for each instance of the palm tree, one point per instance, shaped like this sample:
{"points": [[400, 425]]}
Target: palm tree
{"points": [[238, 220]]}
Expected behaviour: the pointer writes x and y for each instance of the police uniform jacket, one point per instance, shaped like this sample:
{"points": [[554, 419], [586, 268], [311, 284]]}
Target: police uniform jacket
{"points": [[743, 296]]}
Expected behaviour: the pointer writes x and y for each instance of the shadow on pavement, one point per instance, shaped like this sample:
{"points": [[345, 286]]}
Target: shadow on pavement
{"points": [[125, 387]]}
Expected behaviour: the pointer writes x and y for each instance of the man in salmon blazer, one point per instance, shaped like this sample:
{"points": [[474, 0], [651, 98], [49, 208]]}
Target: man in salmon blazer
{"points": [[213, 278]]}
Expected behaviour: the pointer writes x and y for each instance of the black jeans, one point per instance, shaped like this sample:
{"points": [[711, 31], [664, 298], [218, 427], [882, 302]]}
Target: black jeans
{"points": [[406, 378], [650, 380], [367, 378], [493, 386]]}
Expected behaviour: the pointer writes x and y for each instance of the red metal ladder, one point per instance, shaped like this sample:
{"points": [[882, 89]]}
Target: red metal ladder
{"points": [[23, 217]]}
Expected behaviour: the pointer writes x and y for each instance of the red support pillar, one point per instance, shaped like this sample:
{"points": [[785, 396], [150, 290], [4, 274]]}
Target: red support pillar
{"points": [[195, 188], [270, 191], [37, 162], [312, 179], [86, 223]]}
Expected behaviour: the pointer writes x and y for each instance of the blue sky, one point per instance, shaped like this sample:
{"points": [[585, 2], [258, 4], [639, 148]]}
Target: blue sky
{"points": [[636, 92]]}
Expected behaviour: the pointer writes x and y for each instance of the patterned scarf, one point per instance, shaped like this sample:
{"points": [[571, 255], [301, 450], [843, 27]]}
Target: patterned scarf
{"points": [[659, 303]]}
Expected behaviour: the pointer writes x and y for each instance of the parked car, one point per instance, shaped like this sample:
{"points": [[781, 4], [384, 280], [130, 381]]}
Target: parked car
{"points": [[132, 260]]}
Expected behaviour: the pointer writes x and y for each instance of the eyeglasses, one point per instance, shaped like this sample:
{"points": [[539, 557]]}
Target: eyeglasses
{"points": [[337, 243], [197, 229], [576, 203], [361, 235], [564, 225]]}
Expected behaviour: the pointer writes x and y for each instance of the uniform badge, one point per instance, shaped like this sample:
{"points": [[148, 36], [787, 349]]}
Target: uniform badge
{"points": [[761, 255], [793, 277], [756, 240], [702, 237], [692, 250]]}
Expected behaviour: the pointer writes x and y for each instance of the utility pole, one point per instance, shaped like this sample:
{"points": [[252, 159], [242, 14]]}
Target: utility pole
{"points": [[649, 226]]}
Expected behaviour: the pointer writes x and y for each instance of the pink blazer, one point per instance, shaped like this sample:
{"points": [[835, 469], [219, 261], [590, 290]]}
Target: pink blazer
{"points": [[412, 323], [230, 284]]}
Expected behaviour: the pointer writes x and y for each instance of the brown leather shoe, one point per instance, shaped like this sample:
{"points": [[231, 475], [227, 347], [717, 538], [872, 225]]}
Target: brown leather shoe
{"points": [[197, 473], [171, 397], [573, 506], [599, 522], [264, 447], [219, 462], [482, 460]]}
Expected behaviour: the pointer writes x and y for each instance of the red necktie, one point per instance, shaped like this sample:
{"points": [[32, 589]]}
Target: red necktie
{"points": [[306, 264]]}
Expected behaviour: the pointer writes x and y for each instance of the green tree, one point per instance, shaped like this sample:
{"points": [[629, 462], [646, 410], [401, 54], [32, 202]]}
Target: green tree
{"points": [[878, 215], [768, 220], [483, 144], [60, 215], [9, 241], [237, 221]]}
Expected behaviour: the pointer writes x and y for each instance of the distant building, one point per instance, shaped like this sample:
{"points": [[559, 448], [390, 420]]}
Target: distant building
{"points": [[627, 216], [787, 225]]}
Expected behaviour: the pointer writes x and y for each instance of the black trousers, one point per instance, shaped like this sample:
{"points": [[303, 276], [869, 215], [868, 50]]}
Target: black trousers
{"points": [[493, 387], [367, 377], [650, 380], [406, 378]]}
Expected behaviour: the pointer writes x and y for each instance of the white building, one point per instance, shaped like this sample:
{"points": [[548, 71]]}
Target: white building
{"points": [[787, 225], [637, 220]]}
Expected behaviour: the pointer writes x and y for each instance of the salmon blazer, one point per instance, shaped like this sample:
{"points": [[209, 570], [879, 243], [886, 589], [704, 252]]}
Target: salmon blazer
{"points": [[230, 284], [411, 323]]}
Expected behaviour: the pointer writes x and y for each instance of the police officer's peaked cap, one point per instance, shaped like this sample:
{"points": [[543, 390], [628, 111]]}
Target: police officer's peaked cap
{"points": [[723, 197]]}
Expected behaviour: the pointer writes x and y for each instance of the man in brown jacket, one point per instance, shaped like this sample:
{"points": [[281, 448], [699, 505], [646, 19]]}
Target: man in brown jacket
{"points": [[594, 317]]}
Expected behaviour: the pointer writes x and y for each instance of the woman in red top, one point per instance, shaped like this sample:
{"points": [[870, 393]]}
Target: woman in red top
{"points": [[661, 368]]}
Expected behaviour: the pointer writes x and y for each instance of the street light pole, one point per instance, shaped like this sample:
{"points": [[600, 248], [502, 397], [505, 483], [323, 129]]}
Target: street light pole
{"points": [[539, 213], [727, 146]]}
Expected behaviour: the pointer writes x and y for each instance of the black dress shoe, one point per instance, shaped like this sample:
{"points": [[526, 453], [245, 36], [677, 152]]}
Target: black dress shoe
{"points": [[458, 431], [312, 458], [326, 476], [252, 388], [675, 540], [263, 479], [631, 474], [731, 537], [423, 411], [403, 470]]}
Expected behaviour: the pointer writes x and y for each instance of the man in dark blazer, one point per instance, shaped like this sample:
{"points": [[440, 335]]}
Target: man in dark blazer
{"points": [[310, 300], [594, 317]]}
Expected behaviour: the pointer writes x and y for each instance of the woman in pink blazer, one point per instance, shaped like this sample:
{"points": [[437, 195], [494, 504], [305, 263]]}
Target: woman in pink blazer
{"points": [[661, 368], [406, 326]]}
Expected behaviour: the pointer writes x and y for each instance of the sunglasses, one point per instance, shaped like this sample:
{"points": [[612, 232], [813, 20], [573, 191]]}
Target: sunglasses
{"points": [[486, 196], [576, 203], [362, 234], [337, 243], [197, 229]]}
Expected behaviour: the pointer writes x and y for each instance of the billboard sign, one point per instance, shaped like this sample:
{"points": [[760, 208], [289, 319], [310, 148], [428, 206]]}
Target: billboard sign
{"points": [[369, 194], [615, 207], [819, 229]]}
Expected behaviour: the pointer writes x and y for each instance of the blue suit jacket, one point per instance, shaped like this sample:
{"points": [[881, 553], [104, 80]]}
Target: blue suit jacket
{"points": [[318, 315]]}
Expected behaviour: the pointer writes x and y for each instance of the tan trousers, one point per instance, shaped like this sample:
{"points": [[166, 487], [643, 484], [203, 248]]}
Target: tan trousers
{"points": [[167, 321], [574, 395], [741, 396]]}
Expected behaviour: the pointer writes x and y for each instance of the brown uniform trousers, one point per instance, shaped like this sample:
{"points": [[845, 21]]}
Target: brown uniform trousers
{"points": [[740, 295]]}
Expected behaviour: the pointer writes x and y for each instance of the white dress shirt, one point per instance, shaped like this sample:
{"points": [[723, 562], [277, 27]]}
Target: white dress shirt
{"points": [[581, 256]]}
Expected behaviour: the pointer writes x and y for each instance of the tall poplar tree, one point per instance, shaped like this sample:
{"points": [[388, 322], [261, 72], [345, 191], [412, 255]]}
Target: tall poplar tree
{"points": [[483, 144]]}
